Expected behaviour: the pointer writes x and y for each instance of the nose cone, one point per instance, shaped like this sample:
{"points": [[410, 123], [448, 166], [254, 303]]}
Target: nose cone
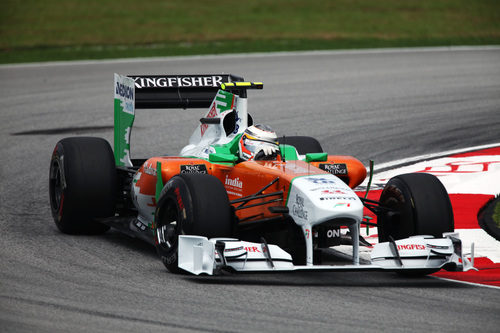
{"points": [[315, 199]]}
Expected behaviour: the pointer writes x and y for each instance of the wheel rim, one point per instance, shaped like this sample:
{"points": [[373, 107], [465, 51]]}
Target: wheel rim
{"points": [[167, 234], [391, 224], [168, 229], [56, 187]]}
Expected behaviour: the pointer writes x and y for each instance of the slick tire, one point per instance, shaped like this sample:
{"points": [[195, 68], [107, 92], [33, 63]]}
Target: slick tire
{"points": [[190, 204], [303, 144], [421, 206], [82, 185]]}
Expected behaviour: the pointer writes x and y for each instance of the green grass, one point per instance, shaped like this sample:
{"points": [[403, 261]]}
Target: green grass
{"points": [[34, 30], [496, 214]]}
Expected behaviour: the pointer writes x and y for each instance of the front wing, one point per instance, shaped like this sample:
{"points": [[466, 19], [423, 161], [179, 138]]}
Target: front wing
{"points": [[199, 255]]}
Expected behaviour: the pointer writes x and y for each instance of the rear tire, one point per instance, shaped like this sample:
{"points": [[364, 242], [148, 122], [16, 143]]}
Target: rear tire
{"points": [[82, 185], [303, 144], [190, 204]]}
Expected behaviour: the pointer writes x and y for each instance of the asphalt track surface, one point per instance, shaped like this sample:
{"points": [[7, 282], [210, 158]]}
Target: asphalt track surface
{"points": [[373, 105]]}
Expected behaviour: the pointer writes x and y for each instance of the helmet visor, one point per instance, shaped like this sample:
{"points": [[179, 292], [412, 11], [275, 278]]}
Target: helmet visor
{"points": [[254, 145]]}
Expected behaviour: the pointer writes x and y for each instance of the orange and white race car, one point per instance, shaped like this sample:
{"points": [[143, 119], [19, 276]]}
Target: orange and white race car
{"points": [[237, 197]]}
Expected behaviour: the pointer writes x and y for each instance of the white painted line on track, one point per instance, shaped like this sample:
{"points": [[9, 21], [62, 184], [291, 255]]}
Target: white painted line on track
{"points": [[465, 282], [415, 159], [258, 55]]}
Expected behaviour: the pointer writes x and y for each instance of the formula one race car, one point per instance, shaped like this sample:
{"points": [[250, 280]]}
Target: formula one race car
{"points": [[238, 198]]}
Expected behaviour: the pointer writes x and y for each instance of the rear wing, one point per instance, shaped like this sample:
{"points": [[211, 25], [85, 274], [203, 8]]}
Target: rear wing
{"points": [[158, 92], [178, 91]]}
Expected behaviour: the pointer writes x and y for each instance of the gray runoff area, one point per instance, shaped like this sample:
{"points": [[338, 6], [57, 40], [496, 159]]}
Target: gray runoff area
{"points": [[380, 105]]}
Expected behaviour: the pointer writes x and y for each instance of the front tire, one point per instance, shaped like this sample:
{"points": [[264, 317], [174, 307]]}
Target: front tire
{"points": [[421, 206], [190, 204], [82, 185]]}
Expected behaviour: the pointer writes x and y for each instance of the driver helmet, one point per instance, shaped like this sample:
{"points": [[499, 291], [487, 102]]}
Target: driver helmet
{"points": [[258, 142]]}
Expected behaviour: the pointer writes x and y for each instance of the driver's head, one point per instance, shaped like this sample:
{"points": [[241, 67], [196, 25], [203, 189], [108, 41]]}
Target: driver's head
{"points": [[258, 142]]}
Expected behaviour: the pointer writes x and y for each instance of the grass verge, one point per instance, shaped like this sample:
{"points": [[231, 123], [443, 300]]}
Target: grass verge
{"points": [[33, 30], [489, 217], [496, 214]]}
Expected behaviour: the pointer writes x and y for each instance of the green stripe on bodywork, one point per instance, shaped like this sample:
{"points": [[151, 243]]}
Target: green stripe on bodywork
{"points": [[225, 158], [123, 127], [225, 154], [159, 181], [316, 157], [288, 152], [230, 147], [225, 101]]}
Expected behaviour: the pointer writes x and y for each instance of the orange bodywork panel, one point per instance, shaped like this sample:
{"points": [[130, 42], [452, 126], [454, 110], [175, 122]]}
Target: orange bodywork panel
{"points": [[356, 171], [246, 178]]}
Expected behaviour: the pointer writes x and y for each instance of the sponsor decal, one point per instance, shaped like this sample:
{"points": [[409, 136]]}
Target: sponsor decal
{"points": [[237, 121], [320, 180], [334, 191], [194, 168], [298, 208], [124, 104], [234, 182], [239, 248], [252, 249], [334, 169], [342, 204], [211, 114], [333, 233], [149, 169], [224, 101], [330, 188], [307, 232], [411, 247], [328, 236], [179, 199], [337, 198], [174, 82], [124, 91]]}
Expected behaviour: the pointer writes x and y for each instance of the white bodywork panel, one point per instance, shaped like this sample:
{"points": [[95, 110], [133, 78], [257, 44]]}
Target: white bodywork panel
{"points": [[206, 135], [316, 199]]}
